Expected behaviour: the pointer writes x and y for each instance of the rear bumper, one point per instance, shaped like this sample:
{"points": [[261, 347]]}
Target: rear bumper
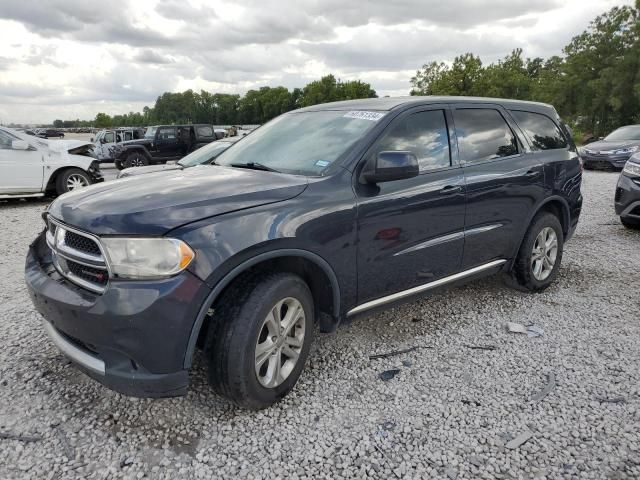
{"points": [[627, 197], [132, 338]]}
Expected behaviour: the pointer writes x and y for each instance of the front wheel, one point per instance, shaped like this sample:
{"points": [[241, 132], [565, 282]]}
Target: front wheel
{"points": [[260, 339], [135, 159], [540, 255], [72, 179]]}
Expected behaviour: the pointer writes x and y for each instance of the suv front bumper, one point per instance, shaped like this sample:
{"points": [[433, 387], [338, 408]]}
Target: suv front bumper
{"points": [[132, 338], [627, 198]]}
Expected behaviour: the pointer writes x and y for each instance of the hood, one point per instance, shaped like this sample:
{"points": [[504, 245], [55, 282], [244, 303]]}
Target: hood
{"points": [[135, 171], [67, 145], [606, 146], [156, 203]]}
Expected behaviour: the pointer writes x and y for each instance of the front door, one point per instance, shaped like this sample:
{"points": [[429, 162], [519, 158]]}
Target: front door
{"points": [[167, 141], [21, 171], [411, 232]]}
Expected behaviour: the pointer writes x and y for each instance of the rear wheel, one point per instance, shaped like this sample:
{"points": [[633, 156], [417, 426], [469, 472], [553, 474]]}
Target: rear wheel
{"points": [[135, 159], [540, 255], [630, 223], [260, 339], [72, 179]]}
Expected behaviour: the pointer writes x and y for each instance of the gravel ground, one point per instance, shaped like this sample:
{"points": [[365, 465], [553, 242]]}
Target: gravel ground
{"points": [[450, 412]]}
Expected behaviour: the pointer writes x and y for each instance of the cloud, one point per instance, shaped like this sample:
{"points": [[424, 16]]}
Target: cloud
{"points": [[74, 58]]}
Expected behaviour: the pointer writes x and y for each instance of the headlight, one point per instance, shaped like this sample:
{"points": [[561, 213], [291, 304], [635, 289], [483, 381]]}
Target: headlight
{"points": [[632, 169], [143, 258], [626, 150]]}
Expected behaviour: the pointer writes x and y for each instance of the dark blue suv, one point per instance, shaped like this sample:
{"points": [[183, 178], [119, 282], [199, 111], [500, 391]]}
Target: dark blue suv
{"points": [[323, 214]]}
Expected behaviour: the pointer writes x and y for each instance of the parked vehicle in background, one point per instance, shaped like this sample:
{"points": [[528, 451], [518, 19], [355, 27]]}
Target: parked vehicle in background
{"points": [[203, 156], [614, 150], [30, 166], [51, 133], [162, 143], [105, 140], [321, 215], [627, 199]]}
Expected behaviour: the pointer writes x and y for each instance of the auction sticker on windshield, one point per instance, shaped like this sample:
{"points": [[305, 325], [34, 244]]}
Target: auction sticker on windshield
{"points": [[362, 115]]}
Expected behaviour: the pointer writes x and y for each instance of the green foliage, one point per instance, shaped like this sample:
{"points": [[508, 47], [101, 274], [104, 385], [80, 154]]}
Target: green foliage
{"points": [[595, 85], [255, 107]]}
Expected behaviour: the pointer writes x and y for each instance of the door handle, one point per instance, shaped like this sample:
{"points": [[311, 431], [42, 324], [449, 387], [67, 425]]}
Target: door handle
{"points": [[449, 189], [533, 173]]}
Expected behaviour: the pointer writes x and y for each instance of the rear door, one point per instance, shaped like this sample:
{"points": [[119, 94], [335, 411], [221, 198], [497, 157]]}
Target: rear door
{"points": [[410, 232], [21, 171], [504, 180]]}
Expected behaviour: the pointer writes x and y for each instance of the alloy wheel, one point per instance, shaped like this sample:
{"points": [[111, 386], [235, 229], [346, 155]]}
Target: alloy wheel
{"points": [[76, 181], [280, 342], [544, 254]]}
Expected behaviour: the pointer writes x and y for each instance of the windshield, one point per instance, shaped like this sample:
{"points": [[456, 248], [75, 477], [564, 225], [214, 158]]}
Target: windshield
{"points": [[150, 132], [625, 133], [305, 143], [204, 154]]}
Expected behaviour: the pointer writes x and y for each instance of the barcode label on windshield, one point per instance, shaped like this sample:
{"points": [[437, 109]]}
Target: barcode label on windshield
{"points": [[362, 115]]}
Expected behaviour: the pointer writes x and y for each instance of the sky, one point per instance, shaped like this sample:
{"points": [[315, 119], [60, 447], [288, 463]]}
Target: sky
{"points": [[71, 59]]}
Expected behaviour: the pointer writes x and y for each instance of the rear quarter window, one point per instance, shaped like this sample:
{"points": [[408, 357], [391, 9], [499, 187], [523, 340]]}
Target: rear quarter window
{"points": [[541, 130]]}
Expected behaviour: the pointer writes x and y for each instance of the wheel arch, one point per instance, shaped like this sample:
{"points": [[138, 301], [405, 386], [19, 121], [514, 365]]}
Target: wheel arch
{"points": [[301, 262], [51, 181], [555, 205]]}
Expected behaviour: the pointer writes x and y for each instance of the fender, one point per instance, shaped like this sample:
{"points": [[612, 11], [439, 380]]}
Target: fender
{"points": [[566, 220], [120, 152], [229, 277]]}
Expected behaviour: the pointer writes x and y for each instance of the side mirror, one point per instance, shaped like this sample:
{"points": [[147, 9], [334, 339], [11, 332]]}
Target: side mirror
{"points": [[91, 140], [391, 166], [19, 145]]}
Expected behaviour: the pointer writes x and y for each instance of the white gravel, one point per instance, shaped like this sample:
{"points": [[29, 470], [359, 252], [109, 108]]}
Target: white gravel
{"points": [[449, 413]]}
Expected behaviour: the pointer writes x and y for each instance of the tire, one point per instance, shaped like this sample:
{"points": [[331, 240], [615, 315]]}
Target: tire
{"points": [[534, 274], [631, 224], [136, 159], [240, 326], [118, 164], [72, 179]]}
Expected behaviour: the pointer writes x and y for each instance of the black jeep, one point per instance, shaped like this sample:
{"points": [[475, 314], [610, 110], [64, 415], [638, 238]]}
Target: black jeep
{"points": [[161, 144]]}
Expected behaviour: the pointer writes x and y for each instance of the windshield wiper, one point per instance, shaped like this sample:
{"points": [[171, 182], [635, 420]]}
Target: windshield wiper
{"points": [[254, 166]]}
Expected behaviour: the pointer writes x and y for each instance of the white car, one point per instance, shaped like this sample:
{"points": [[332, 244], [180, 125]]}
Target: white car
{"points": [[33, 167]]}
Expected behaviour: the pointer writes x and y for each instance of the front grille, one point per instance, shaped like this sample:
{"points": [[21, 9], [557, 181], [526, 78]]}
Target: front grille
{"points": [[81, 243], [89, 274], [77, 256]]}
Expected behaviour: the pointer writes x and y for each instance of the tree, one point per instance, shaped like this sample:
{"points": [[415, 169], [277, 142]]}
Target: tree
{"points": [[102, 120], [58, 123]]}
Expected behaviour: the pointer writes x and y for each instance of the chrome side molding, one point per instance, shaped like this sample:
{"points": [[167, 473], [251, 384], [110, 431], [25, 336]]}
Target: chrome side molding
{"points": [[423, 288]]}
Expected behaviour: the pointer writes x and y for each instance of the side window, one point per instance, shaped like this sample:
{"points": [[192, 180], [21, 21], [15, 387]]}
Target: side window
{"points": [[425, 134], [543, 132], [166, 134], [109, 137], [483, 134], [5, 141], [128, 136]]}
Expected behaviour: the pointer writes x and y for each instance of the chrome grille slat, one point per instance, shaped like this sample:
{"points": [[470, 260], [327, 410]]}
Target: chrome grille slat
{"points": [[80, 264]]}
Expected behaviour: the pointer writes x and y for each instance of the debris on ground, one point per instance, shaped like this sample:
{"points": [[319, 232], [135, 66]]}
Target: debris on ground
{"points": [[416, 319], [471, 402], [20, 438], [388, 374], [481, 347], [519, 440], [618, 399], [548, 388], [392, 354], [407, 363], [530, 330]]}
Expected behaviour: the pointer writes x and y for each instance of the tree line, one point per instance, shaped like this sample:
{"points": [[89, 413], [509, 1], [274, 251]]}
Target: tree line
{"points": [[594, 84], [252, 108]]}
